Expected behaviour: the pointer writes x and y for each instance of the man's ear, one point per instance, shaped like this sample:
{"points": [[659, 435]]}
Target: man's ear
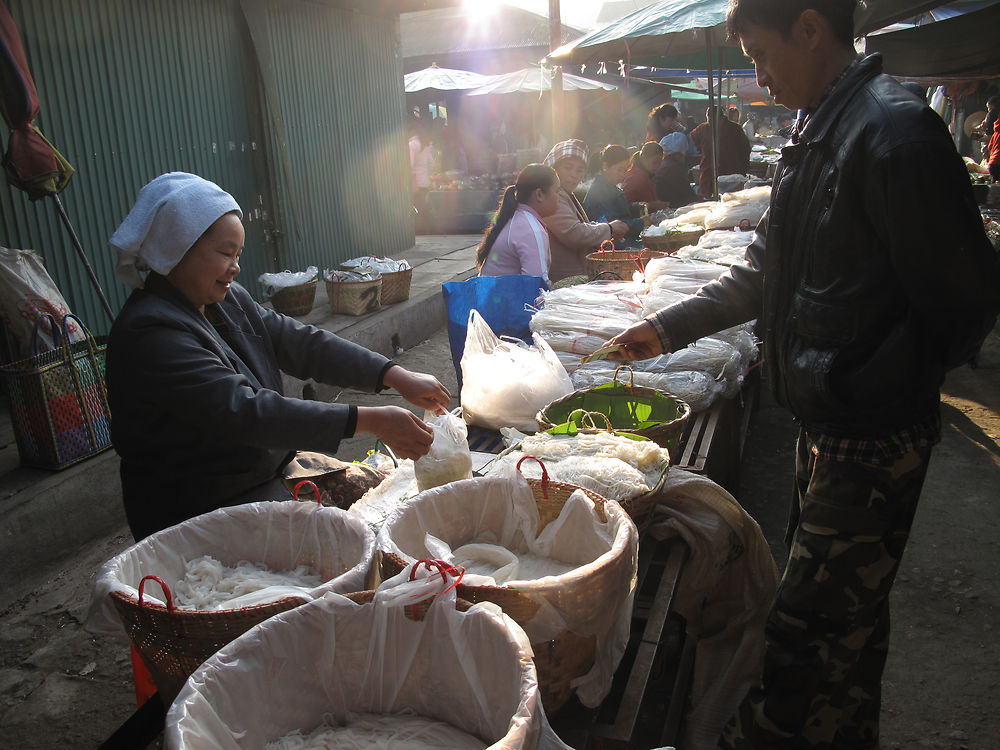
{"points": [[811, 27]]}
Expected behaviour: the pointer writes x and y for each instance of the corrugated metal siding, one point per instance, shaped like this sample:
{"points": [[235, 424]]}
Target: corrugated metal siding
{"points": [[130, 89], [340, 87]]}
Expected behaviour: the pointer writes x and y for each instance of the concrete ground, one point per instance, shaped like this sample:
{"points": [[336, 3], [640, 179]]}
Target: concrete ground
{"points": [[59, 686]]}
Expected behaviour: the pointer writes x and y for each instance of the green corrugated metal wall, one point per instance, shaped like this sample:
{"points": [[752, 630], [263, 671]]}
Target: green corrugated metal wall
{"points": [[133, 88], [338, 78]]}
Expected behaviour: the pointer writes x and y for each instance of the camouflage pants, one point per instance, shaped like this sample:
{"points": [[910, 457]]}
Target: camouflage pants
{"points": [[828, 629]]}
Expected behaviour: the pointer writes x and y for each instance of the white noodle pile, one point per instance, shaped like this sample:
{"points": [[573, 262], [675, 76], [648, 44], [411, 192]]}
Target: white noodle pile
{"points": [[608, 477], [380, 732], [644, 455], [504, 565], [210, 585]]}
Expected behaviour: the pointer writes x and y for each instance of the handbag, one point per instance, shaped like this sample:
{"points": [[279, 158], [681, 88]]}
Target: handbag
{"points": [[58, 399]]}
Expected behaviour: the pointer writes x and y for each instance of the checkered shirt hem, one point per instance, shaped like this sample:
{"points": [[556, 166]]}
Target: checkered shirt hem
{"points": [[923, 434]]}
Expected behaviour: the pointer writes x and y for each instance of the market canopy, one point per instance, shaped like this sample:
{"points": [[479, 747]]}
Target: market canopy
{"points": [[962, 47], [537, 79], [443, 79], [877, 14], [666, 30]]}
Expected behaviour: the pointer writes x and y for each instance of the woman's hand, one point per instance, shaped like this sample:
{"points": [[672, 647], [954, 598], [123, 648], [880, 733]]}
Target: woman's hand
{"points": [[418, 388], [400, 429], [618, 229], [637, 342]]}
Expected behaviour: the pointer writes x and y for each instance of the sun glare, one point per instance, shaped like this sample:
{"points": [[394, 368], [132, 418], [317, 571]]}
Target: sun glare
{"points": [[478, 9]]}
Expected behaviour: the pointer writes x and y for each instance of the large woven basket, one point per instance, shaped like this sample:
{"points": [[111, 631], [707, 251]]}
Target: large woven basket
{"points": [[295, 300], [568, 655], [173, 642], [644, 411], [622, 263], [354, 297], [396, 286], [669, 243]]}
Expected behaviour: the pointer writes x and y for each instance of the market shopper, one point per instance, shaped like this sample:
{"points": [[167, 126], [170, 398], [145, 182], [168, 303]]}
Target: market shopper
{"points": [[989, 132], [671, 181], [605, 200], [870, 276], [664, 120], [637, 184], [194, 368], [516, 242], [571, 232], [734, 149]]}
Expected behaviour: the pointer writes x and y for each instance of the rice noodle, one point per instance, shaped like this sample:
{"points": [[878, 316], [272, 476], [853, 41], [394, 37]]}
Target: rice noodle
{"points": [[210, 585], [380, 732]]}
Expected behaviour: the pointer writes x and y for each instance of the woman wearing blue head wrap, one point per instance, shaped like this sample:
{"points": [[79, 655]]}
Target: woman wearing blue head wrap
{"points": [[194, 368]]}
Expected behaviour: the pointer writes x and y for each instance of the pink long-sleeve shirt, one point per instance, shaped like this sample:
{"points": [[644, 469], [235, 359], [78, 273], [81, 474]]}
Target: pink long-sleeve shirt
{"points": [[522, 247]]}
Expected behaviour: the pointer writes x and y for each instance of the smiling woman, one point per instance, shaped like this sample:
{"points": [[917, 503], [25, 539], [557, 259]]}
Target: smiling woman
{"points": [[195, 368]]}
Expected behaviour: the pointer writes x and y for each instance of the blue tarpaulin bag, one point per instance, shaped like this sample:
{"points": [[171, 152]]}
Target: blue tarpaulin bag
{"points": [[500, 300]]}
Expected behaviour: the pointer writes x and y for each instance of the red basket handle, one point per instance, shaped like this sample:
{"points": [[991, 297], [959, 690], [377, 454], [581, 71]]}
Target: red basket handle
{"points": [[295, 490], [545, 474], [166, 591], [610, 247], [444, 568]]}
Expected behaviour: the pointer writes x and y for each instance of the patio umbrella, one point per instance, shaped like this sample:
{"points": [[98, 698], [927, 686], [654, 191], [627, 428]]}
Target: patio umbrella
{"points": [[537, 79], [442, 79], [31, 163]]}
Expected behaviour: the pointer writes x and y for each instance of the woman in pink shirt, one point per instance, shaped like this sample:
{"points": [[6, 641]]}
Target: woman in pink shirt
{"points": [[517, 241]]}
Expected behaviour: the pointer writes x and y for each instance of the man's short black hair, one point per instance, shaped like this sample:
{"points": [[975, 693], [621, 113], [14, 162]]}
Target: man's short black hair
{"points": [[781, 15]]}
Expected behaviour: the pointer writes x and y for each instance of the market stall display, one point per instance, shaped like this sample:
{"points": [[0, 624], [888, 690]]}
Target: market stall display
{"points": [[333, 548], [359, 667], [290, 292], [396, 275], [577, 621]]}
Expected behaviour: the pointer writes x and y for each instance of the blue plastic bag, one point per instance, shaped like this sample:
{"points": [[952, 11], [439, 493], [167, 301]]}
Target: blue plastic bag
{"points": [[500, 300]]}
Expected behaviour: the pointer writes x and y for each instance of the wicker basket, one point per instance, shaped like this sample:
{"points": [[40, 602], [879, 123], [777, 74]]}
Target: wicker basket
{"points": [[672, 242], [173, 642], [644, 411], [295, 300], [354, 297], [568, 655], [396, 286], [622, 263]]}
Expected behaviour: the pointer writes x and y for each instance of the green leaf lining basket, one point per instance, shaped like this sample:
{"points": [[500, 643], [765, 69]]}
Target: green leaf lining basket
{"points": [[644, 411]]}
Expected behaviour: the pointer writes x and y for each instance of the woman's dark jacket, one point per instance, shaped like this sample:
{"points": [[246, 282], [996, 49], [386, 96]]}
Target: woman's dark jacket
{"points": [[198, 412], [870, 275], [606, 202], [672, 184]]}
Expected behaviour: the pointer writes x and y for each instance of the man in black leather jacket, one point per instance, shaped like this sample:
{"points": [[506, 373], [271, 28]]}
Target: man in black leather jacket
{"points": [[870, 277]]}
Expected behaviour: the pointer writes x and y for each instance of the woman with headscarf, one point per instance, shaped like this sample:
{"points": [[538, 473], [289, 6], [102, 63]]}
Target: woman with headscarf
{"points": [[571, 233], [194, 368]]}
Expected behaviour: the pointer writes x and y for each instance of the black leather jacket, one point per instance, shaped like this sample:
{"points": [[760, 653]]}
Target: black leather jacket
{"points": [[871, 273], [199, 416]]}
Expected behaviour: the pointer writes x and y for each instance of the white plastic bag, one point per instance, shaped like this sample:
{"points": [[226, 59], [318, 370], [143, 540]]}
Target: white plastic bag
{"points": [[275, 282], [449, 458], [505, 383], [332, 657], [27, 292], [379, 265]]}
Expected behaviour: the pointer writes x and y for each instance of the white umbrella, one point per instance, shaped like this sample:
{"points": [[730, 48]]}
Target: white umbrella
{"points": [[443, 79], [537, 79]]}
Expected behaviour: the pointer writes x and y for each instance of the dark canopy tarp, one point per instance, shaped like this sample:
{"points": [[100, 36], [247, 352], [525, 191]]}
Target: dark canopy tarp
{"points": [[960, 48], [877, 14]]}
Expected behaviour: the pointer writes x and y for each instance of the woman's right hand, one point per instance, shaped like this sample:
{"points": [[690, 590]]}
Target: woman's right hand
{"points": [[403, 431]]}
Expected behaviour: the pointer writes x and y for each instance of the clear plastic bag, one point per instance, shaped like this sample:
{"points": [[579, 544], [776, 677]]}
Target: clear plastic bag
{"points": [[273, 283], [448, 459], [505, 383], [333, 658]]}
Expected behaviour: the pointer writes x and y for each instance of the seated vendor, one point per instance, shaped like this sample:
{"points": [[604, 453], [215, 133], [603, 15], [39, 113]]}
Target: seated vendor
{"points": [[671, 178], [637, 184], [517, 242], [606, 201], [571, 233], [194, 368]]}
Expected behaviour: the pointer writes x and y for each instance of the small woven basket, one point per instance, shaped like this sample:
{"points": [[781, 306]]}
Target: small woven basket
{"points": [[643, 411], [669, 243], [396, 286], [568, 655], [622, 263], [295, 300], [354, 297]]}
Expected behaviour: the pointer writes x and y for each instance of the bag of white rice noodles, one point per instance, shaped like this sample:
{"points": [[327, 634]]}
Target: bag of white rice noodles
{"points": [[676, 268], [738, 207], [448, 459], [505, 383], [574, 572], [370, 672]]}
